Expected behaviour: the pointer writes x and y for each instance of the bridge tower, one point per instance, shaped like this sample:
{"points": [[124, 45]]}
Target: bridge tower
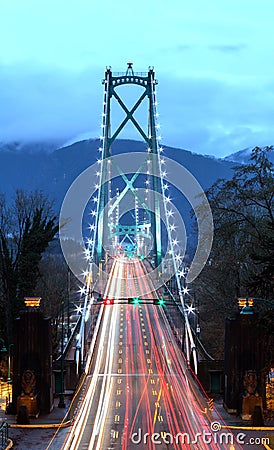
{"points": [[147, 82], [109, 230]]}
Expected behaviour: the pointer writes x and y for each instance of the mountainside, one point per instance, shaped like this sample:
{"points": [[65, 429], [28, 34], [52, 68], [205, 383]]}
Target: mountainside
{"points": [[54, 171], [30, 147], [242, 157]]}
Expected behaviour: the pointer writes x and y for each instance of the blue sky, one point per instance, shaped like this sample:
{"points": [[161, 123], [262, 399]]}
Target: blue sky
{"points": [[213, 60]]}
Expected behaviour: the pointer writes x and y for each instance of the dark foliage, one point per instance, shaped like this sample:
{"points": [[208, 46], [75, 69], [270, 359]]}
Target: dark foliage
{"points": [[26, 228], [241, 262]]}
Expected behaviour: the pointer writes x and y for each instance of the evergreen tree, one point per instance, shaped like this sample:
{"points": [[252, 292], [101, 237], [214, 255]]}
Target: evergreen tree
{"points": [[26, 229], [241, 261]]}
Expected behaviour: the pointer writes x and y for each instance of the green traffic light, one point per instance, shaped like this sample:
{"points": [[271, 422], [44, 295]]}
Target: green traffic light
{"points": [[159, 301], [134, 301]]}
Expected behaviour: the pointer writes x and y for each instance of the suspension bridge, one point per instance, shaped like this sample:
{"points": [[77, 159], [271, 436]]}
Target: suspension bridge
{"points": [[140, 389]]}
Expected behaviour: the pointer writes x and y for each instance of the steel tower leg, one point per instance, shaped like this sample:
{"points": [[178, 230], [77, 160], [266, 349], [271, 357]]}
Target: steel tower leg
{"points": [[156, 183], [106, 152]]}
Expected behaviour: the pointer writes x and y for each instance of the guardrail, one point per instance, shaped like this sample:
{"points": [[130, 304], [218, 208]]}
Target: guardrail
{"points": [[4, 435]]}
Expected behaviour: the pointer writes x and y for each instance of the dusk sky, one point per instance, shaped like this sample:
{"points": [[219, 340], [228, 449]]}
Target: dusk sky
{"points": [[213, 61]]}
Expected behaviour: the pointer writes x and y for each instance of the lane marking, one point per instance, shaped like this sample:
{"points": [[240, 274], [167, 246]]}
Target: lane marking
{"points": [[157, 408], [114, 434]]}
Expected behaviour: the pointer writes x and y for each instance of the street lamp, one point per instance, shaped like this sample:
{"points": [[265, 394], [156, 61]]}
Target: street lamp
{"points": [[9, 355], [61, 403], [68, 306], [246, 304]]}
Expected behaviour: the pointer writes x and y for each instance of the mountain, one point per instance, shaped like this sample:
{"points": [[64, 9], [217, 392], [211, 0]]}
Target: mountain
{"points": [[30, 147], [242, 157], [53, 172], [36, 166], [21, 167], [52, 168]]}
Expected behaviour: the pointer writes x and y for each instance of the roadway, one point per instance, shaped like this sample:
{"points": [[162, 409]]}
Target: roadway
{"points": [[139, 393], [128, 278]]}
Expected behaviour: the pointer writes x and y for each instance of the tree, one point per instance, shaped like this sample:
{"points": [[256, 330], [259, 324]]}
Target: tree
{"points": [[26, 228], [243, 217], [56, 284], [241, 261]]}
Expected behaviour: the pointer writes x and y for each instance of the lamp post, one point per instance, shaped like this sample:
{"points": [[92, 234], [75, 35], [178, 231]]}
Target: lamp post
{"points": [[9, 355], [61, 403], [68, 306]]}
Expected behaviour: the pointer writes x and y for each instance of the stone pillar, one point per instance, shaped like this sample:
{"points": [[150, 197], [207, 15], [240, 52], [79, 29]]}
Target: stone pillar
{"points": [[32, 362], [244, 364]]}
